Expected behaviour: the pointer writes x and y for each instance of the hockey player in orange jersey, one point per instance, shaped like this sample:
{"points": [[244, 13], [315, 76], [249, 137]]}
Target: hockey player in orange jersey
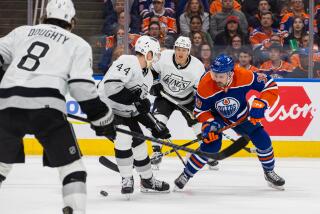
{"points": [[220, 101]]}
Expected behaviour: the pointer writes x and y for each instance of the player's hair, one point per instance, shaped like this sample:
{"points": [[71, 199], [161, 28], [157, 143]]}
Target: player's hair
{"points": [[139, 54], [57, 22]]}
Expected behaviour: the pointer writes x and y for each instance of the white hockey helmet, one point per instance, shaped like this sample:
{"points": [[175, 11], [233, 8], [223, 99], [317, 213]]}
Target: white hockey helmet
{"points": [[146, 44], [61, 9], [183, 42]]}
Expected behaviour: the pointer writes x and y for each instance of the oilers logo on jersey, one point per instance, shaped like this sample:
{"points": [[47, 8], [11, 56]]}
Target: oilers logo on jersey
{"points": [[227, 106], [175, 83]]}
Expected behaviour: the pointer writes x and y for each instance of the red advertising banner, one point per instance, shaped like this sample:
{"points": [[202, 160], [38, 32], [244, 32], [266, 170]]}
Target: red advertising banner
{"points": [[291, 115]]}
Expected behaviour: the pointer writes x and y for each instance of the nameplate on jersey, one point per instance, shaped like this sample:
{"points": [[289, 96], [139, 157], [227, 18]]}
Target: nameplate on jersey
{"points": [[175, 83], [227, 106]]}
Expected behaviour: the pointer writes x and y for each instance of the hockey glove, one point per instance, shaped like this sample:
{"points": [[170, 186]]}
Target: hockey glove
{"points": [[143, 106], [104, 126], [258, 108], [136, 95], [209, 131], [161, 131], [156, 89]]}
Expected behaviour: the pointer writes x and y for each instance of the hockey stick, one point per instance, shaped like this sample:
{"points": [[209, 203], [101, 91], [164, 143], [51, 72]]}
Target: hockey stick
{"points": [[155, 122], [114, 167], [173, 150], [251, 150], [108, 163], [170, 99], [232, 149]]}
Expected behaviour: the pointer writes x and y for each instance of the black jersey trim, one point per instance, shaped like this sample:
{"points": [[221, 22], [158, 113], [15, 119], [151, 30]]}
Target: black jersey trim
{"points": [[179, 66], [112, 80], [81, 80], [1, 60], [124, 97], [30, 92]]}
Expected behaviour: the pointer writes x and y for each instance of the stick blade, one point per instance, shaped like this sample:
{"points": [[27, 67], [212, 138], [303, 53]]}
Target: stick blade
{"points": [[108, 163], [234, 148]]}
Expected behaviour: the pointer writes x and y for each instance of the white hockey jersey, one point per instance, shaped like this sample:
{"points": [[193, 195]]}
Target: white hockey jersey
{"points": [[179, 82], [45, 61], [125, 72]]}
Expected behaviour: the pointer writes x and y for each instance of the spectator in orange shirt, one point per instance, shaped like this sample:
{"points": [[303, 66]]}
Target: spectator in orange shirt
{"points": [[245, 59], [166, 18], [300, 60], [114, 43], [155, 31], [297, 10], [254, 21], [216, 6], [145, 6], [260, 37], [276, 67]]}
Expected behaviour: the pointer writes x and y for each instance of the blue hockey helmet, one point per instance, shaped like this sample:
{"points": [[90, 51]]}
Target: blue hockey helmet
{"points": [[222, 64]]}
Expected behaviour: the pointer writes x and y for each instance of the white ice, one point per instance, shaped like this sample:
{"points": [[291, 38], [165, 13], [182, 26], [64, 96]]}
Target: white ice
{"points": [[237, 187]]}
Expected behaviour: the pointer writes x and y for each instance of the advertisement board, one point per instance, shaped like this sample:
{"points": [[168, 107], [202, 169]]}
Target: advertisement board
{"points": [[293, 123]]}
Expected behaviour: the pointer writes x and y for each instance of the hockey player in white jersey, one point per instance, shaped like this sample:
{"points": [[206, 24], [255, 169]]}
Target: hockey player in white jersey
{"points": [[45, 62], [126, 86], [177, 74]]}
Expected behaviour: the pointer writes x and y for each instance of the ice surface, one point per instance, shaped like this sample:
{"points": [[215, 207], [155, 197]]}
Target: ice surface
{"points": [[237, 187]]}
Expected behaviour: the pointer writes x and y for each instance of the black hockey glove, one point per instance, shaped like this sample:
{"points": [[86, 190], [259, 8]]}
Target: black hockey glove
{"points": [[143, 106], [104, 126], [136, 95], [161, 131], [155, 89]]}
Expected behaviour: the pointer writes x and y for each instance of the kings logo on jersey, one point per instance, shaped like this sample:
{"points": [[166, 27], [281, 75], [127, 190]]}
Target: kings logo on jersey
{"points": [[175, 83], [227, 106]]}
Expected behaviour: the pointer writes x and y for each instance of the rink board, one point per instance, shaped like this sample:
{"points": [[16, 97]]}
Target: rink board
{"points": [[293, 124], [104, 147]]}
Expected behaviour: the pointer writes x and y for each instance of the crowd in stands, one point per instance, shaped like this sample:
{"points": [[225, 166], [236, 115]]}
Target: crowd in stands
{"points": [[270, 36]]}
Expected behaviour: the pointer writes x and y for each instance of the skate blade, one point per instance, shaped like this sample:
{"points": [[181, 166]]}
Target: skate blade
{"points": [[128, 196], [144, 190], [281, 188], [177, 189], [215, 168]]}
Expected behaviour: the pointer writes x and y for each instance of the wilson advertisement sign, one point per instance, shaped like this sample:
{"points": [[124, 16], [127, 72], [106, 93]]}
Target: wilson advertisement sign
{"points": [[294, 117]]}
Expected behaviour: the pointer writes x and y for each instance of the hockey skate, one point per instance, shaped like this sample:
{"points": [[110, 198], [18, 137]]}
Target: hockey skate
{"points": [[153, 185], [274, 180], [156, 157], [127, 186], [181, 181], [213, 164]]}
